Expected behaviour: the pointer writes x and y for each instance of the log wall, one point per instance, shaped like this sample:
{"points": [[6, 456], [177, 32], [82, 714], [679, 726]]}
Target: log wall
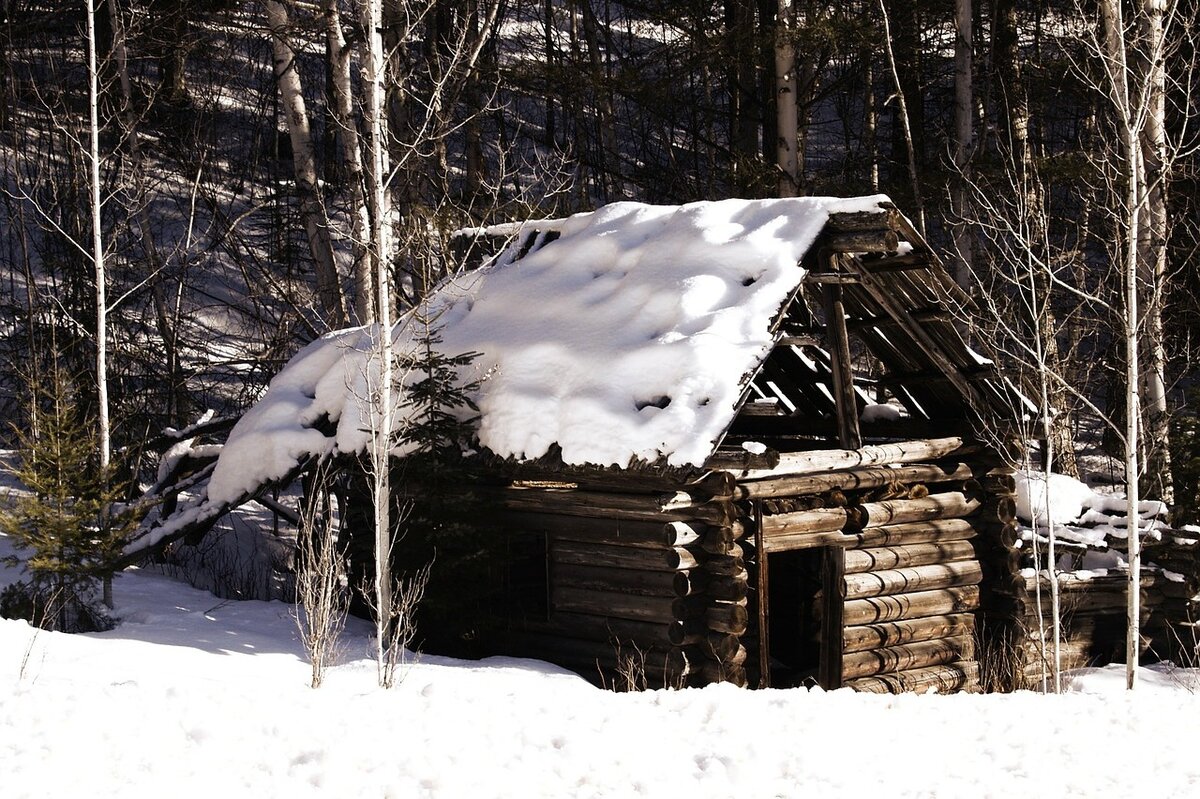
{"points": [[645, 588], [660, 582]]}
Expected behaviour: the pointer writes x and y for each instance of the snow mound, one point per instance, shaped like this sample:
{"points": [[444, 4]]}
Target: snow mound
{"points": [[630, 336], [1068, 498]]}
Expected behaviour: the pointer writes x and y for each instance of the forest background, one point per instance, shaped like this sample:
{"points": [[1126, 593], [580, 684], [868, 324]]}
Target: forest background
{"points": [[1047, 149]]}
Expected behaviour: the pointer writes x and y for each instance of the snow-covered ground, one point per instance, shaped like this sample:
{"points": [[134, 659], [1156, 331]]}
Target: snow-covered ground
{"points": [[197, 696]]}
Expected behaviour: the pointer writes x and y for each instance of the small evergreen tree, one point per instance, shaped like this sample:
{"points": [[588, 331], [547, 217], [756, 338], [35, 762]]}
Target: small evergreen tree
{"points": [[439, 524], [68, 522]]}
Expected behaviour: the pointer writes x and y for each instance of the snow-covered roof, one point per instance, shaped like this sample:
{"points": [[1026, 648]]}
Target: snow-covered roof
{"points": [[630, 336]]}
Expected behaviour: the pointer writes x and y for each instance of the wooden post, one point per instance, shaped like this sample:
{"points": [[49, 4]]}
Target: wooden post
{"points": [[764, 643], [832, 629], [849, 436]]}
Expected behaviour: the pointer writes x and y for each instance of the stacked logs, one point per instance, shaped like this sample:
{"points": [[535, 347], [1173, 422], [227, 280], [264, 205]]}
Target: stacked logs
{"points": [[645, 588], [1094, 608], [905, 532]]}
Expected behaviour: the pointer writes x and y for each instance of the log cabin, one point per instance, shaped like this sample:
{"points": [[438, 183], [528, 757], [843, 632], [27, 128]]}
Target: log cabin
{"points": [[843, 523], [745, 441]]}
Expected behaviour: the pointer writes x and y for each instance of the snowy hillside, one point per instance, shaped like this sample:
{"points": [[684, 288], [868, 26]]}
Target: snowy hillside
{"points": [[192, 696]]}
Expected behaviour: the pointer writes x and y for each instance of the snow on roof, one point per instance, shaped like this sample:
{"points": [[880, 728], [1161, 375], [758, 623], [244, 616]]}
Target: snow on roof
{"points": [[630, 336]]}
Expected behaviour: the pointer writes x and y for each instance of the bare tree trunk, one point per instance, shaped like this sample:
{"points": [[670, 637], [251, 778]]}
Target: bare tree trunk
{"points": [[343, 115], [1117, 68], [870, 123], [787, 149], [312, 208], [964, 103], [905, 126], [374, 65], [1152, 251], [103, 424], [97, 241]]}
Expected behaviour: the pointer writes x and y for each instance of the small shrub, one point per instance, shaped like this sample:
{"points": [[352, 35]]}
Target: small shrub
{"points": [[69, 525]]}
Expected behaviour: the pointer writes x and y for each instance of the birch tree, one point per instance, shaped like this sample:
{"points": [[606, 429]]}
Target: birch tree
{"points": [[787, 148], [312, 206]]}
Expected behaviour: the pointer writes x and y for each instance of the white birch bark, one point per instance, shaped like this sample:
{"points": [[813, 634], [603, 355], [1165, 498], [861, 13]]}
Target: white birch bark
{"points": [[1117, 72], [963, 137], [343, 113], [787, 147], [97, 242], [101, 279], [380, 250], [312, 209], [906, 127], [1152, 245]]}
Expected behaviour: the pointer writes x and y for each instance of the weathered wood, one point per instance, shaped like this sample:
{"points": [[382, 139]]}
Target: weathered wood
{"points": [[860, 241], [726, 588], [599, 530], [722, 540], [739, 460], [948, 678], [685, 632], [605, 629], [894, 633], [689, 659], [621, 668], [936, 530], [761, 593], [909, 580], [833, 460], [637, 507], [948, 505], [614, 604], [727, 617], [908, 656], [835, 278], [843, 221], [845, 401], [733, 565], [879, 558], [898, 607], [602, 578], [833, 619], [587, 554], [819, 520], [853, 479], [932, 349]]}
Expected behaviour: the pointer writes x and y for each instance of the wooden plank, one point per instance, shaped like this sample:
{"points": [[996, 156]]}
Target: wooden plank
{"points": [[909, 580], [818, 520], [920, 336], [861, 241], [832, 619], [763, 596], [948, 505], [601, 578], [637, 507], [597, 530], [879, 558], [613, 604], [899, 607], [604, 629], [863, 637], [577, 553], [845, 403], [904, 657], [885, 218], [936, 530], [834, 460], [958, 676], [854, 479]]}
